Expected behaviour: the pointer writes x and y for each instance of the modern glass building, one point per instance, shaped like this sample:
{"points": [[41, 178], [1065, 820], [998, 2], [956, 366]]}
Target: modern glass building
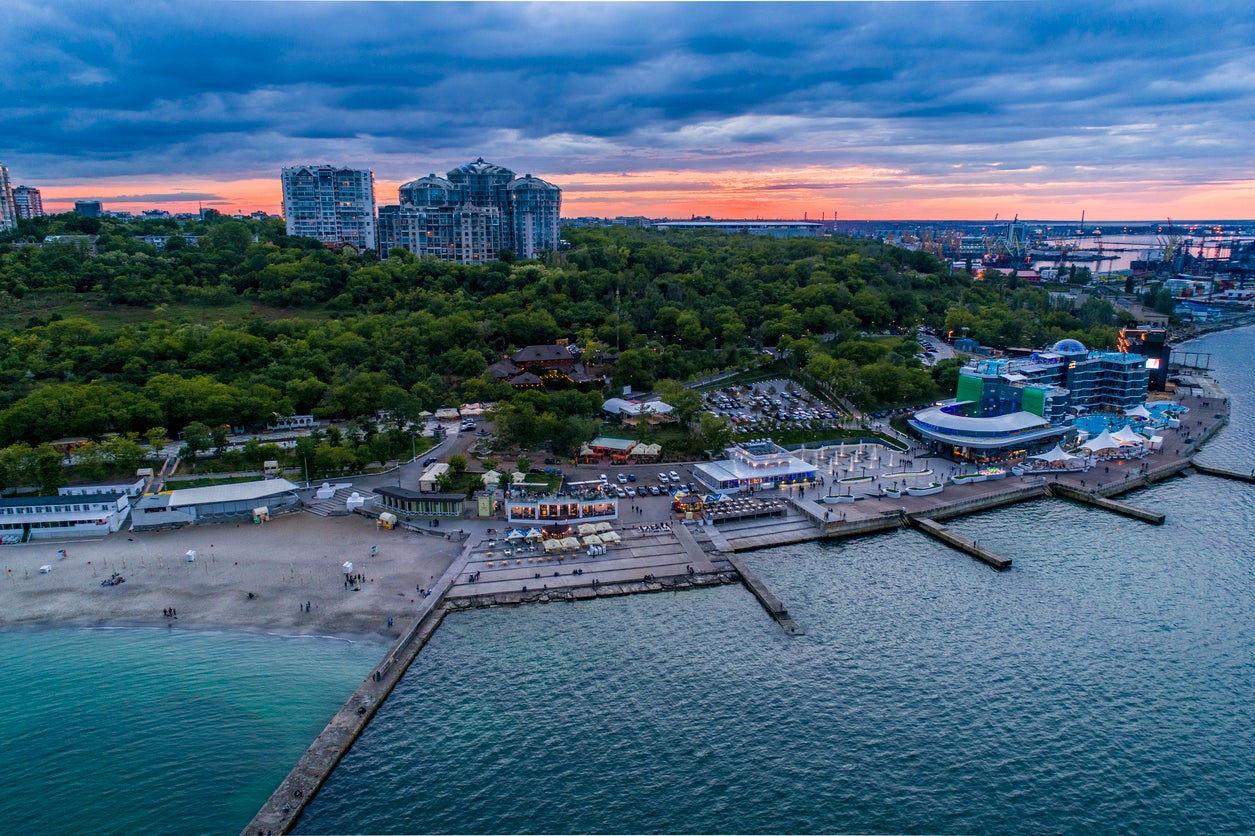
{"points": [[335, 205], [1005, 408], [470, 216]]}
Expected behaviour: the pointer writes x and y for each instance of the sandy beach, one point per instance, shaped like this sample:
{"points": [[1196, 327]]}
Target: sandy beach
{"points": [[292, 560]]}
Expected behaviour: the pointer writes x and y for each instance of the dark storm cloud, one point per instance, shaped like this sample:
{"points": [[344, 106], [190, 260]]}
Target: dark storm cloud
{"points": [[1007, 89]]}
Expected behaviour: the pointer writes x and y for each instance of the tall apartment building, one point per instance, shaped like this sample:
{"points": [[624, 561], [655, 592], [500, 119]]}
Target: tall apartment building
{"points": [[8, 215], [472, 214], [334, 205], [28, 202]]}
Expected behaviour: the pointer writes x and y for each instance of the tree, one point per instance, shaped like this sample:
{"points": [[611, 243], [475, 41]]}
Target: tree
{"points": [[714, 432], [686, 402], [48, 466], [196, 437], [157, 438], [524, 465], [457, 464]]}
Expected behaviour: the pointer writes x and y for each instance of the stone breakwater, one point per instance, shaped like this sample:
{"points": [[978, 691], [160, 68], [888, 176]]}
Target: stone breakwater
{"points": [[589, 593]]}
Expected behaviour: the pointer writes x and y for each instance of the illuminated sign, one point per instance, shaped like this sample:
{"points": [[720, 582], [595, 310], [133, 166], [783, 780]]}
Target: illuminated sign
{"points": [[1152, 363]]}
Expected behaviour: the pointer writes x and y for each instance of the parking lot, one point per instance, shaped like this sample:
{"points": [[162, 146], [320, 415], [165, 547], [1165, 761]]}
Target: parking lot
{"points": [[771, 404]]}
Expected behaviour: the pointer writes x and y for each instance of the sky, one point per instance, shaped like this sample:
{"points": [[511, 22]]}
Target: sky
{"points": [[954, 110]]}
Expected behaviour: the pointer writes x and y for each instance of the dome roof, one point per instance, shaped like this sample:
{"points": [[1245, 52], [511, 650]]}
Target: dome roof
{"points": [[481, 167], [527, 181], [1069, 346], [430, 181]]}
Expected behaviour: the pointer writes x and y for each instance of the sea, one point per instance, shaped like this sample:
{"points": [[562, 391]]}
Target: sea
{"points": [[1104, 684]]}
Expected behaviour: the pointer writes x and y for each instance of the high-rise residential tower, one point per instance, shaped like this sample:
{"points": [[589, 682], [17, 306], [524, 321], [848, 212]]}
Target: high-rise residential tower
{"points": [[8, 214], [479, 210], [334, 205], [28, 202]]}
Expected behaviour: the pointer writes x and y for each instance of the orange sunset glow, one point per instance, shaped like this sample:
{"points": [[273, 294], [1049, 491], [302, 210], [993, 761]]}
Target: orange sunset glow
{"points": [[851, 193]]}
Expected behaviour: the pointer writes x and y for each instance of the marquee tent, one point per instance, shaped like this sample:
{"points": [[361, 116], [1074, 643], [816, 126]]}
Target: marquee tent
{"points": [[1128, 435], [1103, 442], [1055, 455]]}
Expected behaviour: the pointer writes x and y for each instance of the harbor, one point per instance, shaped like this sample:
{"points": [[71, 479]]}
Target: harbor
{"points": [[681, 554]]}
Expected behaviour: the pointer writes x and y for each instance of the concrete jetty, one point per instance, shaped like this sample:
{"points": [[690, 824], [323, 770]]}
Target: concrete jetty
{"points": [[1225, 473], [773, 605], [280, 812], [940, 532], [1077, 495]]}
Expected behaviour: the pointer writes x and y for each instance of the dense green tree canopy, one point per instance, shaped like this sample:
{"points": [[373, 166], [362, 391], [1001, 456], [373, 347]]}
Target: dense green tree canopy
{"points": [[240, 323]]}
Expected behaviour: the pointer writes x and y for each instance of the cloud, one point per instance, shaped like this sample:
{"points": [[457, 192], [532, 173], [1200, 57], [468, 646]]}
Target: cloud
{"points": [[1017, 95], [155, 197]]}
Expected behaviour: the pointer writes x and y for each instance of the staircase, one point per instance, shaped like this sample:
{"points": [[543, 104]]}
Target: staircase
{"points": [[334, 506]]}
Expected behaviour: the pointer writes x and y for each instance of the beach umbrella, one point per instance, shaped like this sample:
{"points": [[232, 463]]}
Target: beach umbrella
{"points": [[602, 526], [586, 529], [592, 540], [515, 534], [535, 534]]}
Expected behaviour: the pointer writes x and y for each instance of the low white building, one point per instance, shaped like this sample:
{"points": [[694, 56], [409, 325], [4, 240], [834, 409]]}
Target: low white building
{"points": [[55, 517], [429, 482], [217, 503], [754, 466]]}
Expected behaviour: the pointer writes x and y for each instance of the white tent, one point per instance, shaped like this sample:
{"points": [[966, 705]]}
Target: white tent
{"points": [[1055, 455], [586, 528], [1128, 435], [535, 534], [592, 540], [515, 534], [601, 526], [553, 545], [611, 537], [1103, 442], [570, 542], [1139, 412]]}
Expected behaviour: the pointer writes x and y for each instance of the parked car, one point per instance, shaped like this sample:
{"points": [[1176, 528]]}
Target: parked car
{"points": [[631, 477], [662, 477], [675, 477], [622, 479], [654, 490]]}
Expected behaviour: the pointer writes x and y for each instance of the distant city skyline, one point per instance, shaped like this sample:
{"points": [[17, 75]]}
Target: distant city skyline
{"points": [[1127, 110]]}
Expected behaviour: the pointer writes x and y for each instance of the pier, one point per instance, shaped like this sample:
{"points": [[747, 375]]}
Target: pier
{"points": [[773, 605], [1225, 473], [280, 812], [1076, 495], [938, 531]]}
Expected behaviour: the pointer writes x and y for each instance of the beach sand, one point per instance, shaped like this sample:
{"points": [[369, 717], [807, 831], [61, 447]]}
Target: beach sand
{"points": [[294, 559]]}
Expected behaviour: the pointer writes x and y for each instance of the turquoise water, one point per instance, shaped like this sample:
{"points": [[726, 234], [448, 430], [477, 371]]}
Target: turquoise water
{"points": [[1102, 685], [1096, 423], [150, 730]]}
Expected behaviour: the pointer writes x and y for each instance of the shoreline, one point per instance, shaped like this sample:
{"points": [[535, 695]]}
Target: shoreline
{"points": [[286, 564]]}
